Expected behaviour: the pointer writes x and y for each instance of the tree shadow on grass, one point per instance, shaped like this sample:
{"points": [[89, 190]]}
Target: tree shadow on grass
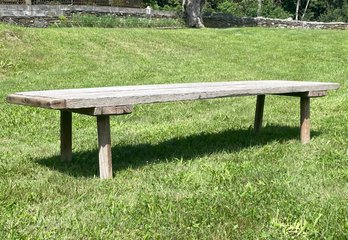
{"points": [[85, 163]]}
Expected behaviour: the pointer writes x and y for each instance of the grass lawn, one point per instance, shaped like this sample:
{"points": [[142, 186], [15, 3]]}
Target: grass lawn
{"points": [[190, 170]]}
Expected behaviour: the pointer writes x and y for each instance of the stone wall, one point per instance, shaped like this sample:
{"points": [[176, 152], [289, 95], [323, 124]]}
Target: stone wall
{"points": [[42, 15], [227, 20], [38, 22], [60, 10]]}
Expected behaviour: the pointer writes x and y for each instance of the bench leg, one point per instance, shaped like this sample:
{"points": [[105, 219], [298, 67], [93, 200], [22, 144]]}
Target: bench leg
{"points": [[104, 141], [260, 103], [305, 119], [66, 135]]}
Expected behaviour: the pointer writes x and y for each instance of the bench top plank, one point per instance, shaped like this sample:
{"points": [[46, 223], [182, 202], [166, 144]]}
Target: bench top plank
{"points": [[130, 95]]}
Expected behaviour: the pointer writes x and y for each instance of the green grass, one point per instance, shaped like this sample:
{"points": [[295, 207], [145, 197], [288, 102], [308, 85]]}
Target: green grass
{"points": [[189, 170]]}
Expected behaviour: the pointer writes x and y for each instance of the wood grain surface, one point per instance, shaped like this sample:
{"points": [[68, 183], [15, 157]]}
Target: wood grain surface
{"points": [[130, 95]]}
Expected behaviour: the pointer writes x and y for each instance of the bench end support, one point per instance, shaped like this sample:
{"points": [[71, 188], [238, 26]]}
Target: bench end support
{"points": [[305, 120], [260, 103], [65, 135], [104, 142]]}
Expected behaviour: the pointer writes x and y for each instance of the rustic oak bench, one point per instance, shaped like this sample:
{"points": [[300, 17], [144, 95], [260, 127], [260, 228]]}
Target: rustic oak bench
{"points": [[103, 102]]}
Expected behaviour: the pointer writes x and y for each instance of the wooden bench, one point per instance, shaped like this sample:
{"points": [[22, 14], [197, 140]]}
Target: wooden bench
{"points": [[103, 102]]}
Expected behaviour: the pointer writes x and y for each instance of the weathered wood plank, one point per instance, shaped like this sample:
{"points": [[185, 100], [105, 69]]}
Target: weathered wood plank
{"points": [[311, 94], [237, 89], [137, 88], [37, 101], [131, 95], [260, 103], [66, 135], [104, 142], [162, 87], [305, 123], [118, 110]]}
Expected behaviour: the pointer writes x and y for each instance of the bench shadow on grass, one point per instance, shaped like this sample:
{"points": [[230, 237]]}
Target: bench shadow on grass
{"points": [[85, 163]]}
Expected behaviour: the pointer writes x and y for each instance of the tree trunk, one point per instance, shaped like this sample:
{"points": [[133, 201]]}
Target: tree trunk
{"points": [[297, 9], [259, 8], [193, 13], [305, 10]]}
